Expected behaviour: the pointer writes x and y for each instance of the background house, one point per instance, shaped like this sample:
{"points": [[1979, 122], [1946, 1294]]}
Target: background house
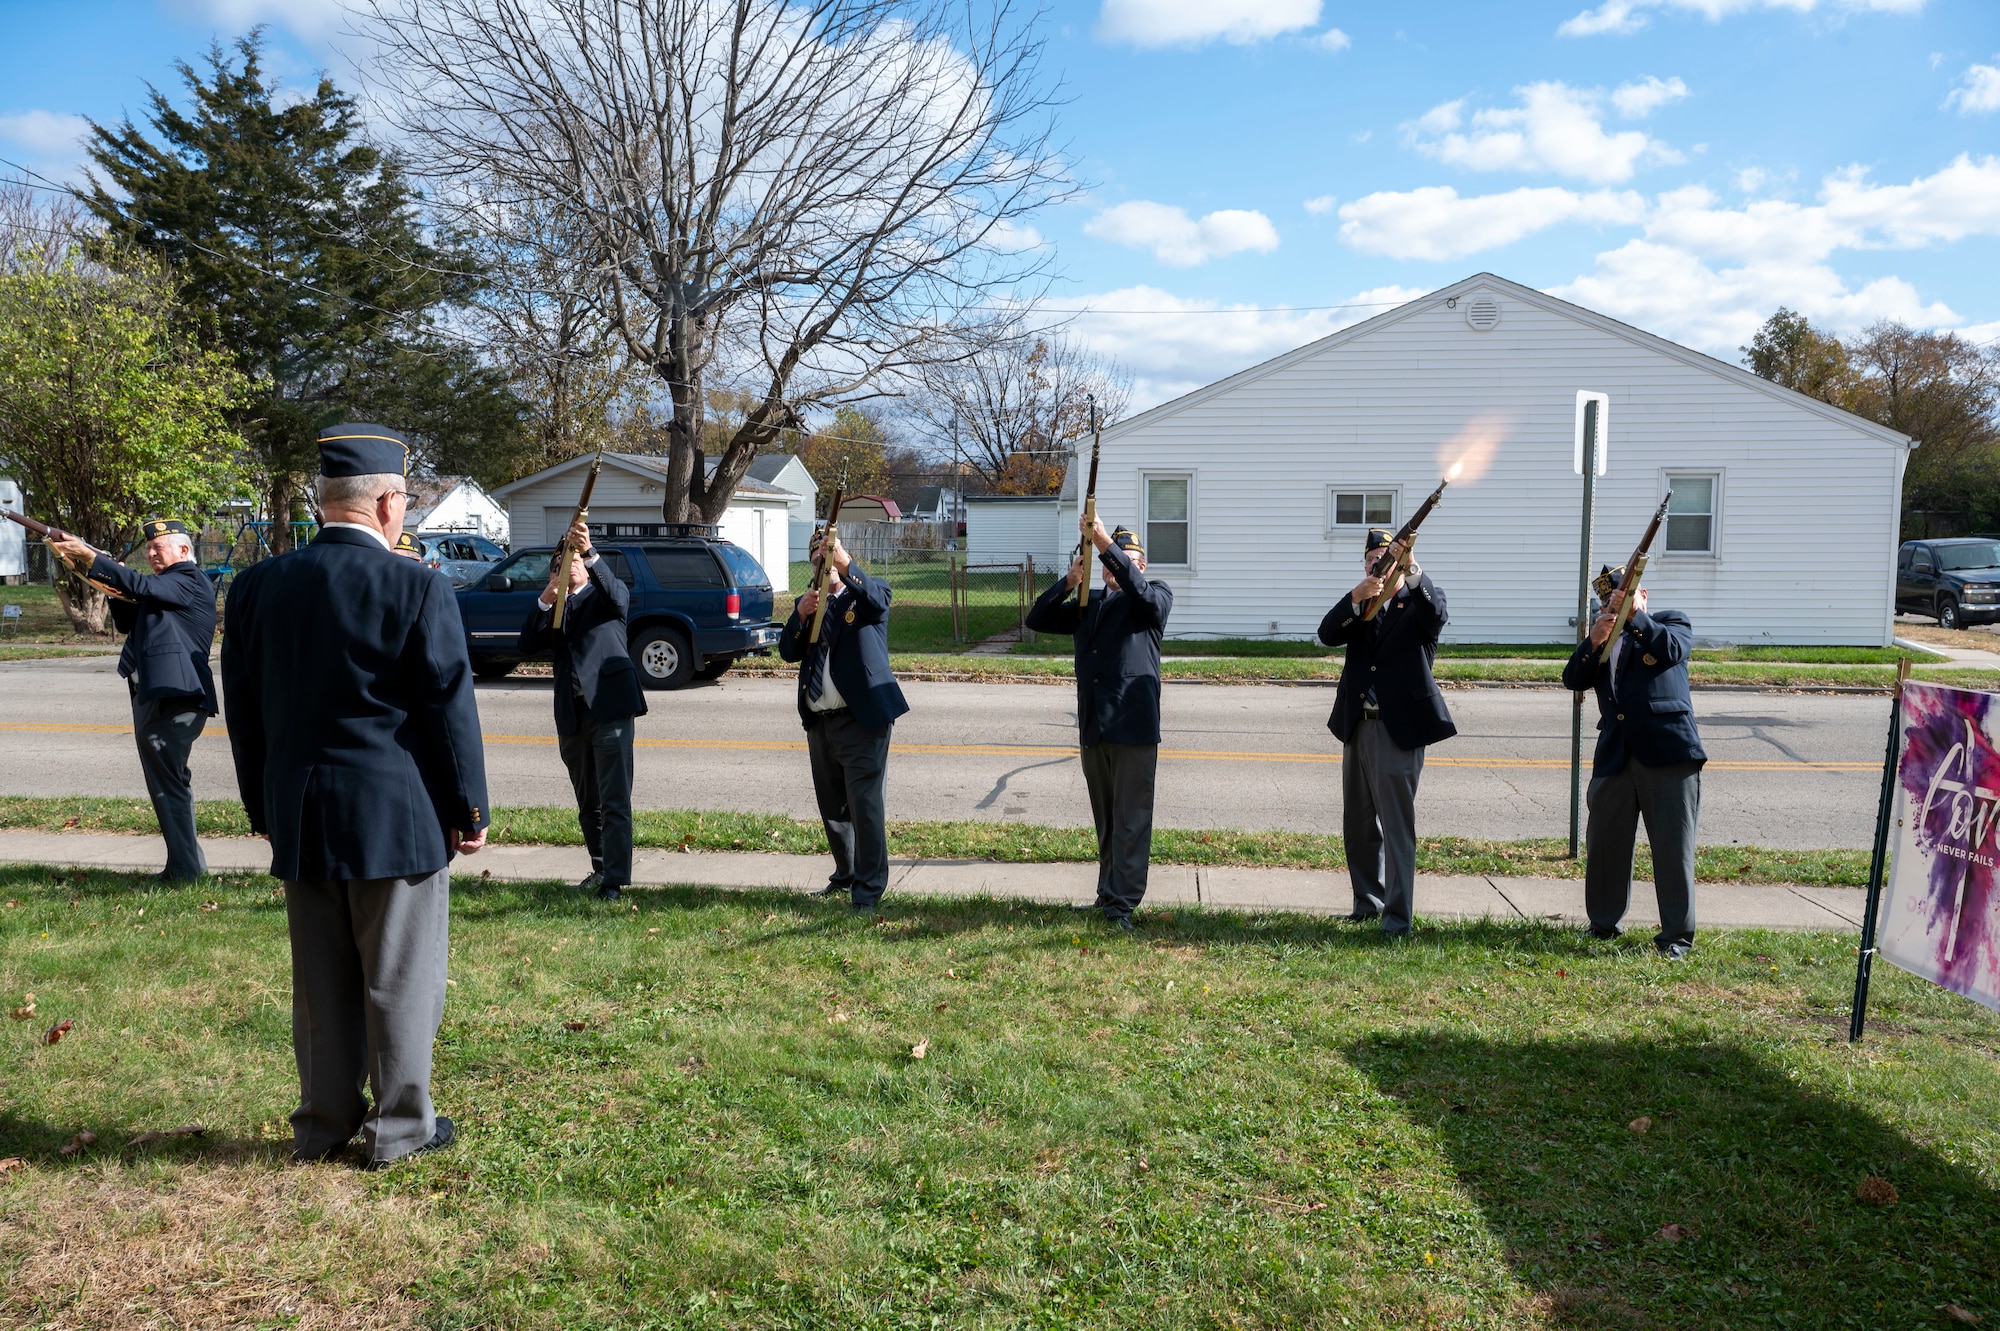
{"points": [[783, 471], [456, 503], [627, 502], [869, 508], [13, 536], [1252, 495], [1006, 529]]}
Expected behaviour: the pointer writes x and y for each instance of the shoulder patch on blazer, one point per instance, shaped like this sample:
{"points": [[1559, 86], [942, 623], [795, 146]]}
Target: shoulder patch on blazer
{"points": [[850, 618], [1650, 659], [1345, 622]]}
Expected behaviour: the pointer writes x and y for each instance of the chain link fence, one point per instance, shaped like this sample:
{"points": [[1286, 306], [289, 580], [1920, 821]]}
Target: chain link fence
{"points": [[942, 603]]}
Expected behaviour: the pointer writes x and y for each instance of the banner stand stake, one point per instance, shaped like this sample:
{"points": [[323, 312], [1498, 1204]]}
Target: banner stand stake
{"points": [[1865, 963]]}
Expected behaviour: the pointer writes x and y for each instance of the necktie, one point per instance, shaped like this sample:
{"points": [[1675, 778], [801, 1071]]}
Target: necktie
{"points": [[816, 658]]}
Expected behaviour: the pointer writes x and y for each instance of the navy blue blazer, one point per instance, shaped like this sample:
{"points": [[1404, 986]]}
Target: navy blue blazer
{"points": [[1117, 651], [856, 633], [592, 656], [351, 712], [1650, 715], [1391, 654], [169, 632]]}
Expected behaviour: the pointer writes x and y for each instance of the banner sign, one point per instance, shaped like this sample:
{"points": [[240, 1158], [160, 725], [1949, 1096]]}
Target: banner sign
{"points": [[1941, 911]]}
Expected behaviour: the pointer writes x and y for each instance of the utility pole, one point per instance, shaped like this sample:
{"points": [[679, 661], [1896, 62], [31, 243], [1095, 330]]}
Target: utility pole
{"points": [[1588, 461]]}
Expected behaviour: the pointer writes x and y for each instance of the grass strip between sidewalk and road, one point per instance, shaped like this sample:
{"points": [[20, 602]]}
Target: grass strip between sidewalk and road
{"points": [[695, 1110], [1011, 843]]}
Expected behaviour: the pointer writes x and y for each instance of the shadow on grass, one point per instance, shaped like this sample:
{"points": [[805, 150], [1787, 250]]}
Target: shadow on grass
{"points": [[42, 1143], [1761, 1176]]}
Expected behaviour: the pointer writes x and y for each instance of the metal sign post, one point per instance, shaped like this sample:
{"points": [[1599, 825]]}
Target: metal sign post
{"points": [[1865, 964], [1588, 461]]}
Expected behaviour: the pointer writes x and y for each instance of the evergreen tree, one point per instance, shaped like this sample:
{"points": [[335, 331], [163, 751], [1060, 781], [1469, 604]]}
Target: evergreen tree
{"points": [[301, 244]]}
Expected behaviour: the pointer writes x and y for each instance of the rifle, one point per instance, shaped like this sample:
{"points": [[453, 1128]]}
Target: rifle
{"points": [[49, 533], [1390, 570], [1635, 567], [565, 552], [825, 560], [1089, 506]]}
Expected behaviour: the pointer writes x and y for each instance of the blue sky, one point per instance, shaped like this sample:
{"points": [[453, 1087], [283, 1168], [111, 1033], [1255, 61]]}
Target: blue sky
{"points": [[1686, 165]]}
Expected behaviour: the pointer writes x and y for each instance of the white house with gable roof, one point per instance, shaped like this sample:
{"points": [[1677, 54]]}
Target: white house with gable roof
{"points": [[1253, 495]]}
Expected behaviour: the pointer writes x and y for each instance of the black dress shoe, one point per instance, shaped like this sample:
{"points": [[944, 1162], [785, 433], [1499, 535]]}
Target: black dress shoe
{"points": [[1603, 935], [590, 882], [1673, 951], [607, 892], [440, 1139], [1123, 923], [1362, 916], [830, 890], [1082, 906]]}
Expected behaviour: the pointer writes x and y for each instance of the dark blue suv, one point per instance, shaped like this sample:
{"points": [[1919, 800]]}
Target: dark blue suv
{"points": [[698, 603]]}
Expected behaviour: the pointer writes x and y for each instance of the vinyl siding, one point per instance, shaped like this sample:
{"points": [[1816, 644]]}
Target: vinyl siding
{"points": [[541, 510], [1009, 532], [1807, 505]]}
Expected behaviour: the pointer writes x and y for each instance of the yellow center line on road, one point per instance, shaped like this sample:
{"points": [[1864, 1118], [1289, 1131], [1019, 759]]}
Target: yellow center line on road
{"points": [[1040, 751]]}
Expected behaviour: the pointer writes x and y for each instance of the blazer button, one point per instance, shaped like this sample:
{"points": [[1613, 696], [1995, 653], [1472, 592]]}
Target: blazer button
{"points": [[1371, 668], [1621, 716]]}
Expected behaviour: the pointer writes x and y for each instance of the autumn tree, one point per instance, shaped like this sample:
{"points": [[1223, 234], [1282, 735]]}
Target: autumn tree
{"points": [[109, 409], [1017, 406], [1788, 350]]}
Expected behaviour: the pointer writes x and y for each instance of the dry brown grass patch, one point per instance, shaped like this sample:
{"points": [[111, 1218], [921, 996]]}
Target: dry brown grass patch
{"points": [[117, 1248]]}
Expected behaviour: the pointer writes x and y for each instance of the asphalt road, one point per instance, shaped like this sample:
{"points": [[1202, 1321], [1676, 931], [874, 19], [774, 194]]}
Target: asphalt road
{"points": [[1787, 770]]}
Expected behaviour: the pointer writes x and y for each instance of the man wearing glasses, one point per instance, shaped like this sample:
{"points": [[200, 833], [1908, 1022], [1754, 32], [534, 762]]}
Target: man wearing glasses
{"points": [[358, 756]]}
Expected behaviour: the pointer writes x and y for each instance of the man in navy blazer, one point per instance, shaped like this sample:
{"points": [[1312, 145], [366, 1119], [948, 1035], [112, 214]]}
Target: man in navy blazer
{"points": [[1648, 763], [1117, 636], [1386, 714], [848, 702], [358, 756], [169, 626], [596, 698]]}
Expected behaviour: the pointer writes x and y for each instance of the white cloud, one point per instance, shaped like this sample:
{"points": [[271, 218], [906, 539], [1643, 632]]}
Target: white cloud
{"points": [[1435, 223], [1556, 129], [1173, 346], [1620, 17], [1333, 39], [1751, 179], [44, 134], [307, 18], [1636, 101], [1978, 92], [1155, 23], [1179, 240], [1321, 206], [1011, 237]]}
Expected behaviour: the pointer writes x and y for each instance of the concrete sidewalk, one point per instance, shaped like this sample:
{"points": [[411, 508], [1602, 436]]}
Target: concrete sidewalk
{"points": [[1439, 897]]}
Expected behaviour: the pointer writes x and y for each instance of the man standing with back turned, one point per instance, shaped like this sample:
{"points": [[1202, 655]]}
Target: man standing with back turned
{"points": [[1647, 764], [1386, 714], [169, 624], [358, 755], [1117, 705]]}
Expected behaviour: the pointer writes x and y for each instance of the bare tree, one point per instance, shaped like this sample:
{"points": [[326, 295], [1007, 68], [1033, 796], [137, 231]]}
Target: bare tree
{"points": [[1018, 404], [40, 229], [795, 199]]}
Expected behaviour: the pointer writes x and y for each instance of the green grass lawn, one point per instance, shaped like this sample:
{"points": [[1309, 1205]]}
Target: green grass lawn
{"points": [[707, 1110], [42, 619], [920, 618]]}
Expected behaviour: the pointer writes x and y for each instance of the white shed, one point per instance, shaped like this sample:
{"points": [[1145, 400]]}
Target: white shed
{"points": [[1253, 494], [787, 472], [13, 536], [627, 502], [455, 503], [1006, 529]]}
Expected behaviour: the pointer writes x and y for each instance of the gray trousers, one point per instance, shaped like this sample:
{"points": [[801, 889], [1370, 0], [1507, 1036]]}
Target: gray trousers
{"points": [[850, 771], [1669, 798], [1378, 823], [166, 729], [599, 759], [1120, 779], [368, 975]]}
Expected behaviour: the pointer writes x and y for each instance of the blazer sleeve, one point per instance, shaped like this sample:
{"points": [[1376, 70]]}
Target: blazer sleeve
{"points": [[615, 591], [537, 630], [871, 594], [1342, 623], [1152, 601], [1668, 635], [1431, 597], [243, 702], [1580, 673], [454, 754], [1054, 611]]}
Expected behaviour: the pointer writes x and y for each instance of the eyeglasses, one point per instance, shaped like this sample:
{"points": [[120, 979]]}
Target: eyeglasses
{"points": [[404, 494]]}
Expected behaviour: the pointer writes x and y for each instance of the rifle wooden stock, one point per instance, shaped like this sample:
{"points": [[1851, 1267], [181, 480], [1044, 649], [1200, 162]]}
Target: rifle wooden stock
{"points": [[1391, 568], [1089, 511], [48, 533], [566, 553], [1635, 568], [828, 535]]}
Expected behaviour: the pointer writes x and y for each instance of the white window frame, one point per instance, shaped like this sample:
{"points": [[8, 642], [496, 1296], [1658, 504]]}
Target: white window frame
{"points": [[1335, 527], [1146, 479], [1718, 476]]}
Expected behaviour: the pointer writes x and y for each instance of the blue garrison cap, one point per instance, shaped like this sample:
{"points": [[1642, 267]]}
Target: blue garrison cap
{"points": [[1378, 537], [355, 449], [154, 527]]}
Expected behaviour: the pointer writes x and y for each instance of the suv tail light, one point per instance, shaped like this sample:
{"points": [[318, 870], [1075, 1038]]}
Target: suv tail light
{"points": [[734, 603]]}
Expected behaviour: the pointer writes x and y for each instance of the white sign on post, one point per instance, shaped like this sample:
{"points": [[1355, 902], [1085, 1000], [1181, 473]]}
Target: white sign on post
{"points": [[1603, 401]]}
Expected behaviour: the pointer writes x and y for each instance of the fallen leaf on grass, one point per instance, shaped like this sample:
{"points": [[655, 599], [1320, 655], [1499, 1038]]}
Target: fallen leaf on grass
{"points": [[211, 905], [57, 1031], [72, 822], [1876, 1191], [693, 1063], [12, 1163], [838, 1016], [576, 1025], [940, 1007], [162, 1134], [1957, 1313], [1641, 1125], [82, 1141], [1673, 1233], [12, 904], [920, 1048], [25, 1011]]}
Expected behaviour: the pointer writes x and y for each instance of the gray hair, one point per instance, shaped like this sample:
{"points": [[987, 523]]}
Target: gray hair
{"points": [[348, 491]]}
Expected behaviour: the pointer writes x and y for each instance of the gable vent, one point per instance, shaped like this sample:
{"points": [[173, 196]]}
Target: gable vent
{"points": [[1483, 314]]}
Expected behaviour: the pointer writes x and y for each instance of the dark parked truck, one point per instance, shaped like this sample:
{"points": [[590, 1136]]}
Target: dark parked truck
{"points": [[1956, 582], [698, 603]]}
